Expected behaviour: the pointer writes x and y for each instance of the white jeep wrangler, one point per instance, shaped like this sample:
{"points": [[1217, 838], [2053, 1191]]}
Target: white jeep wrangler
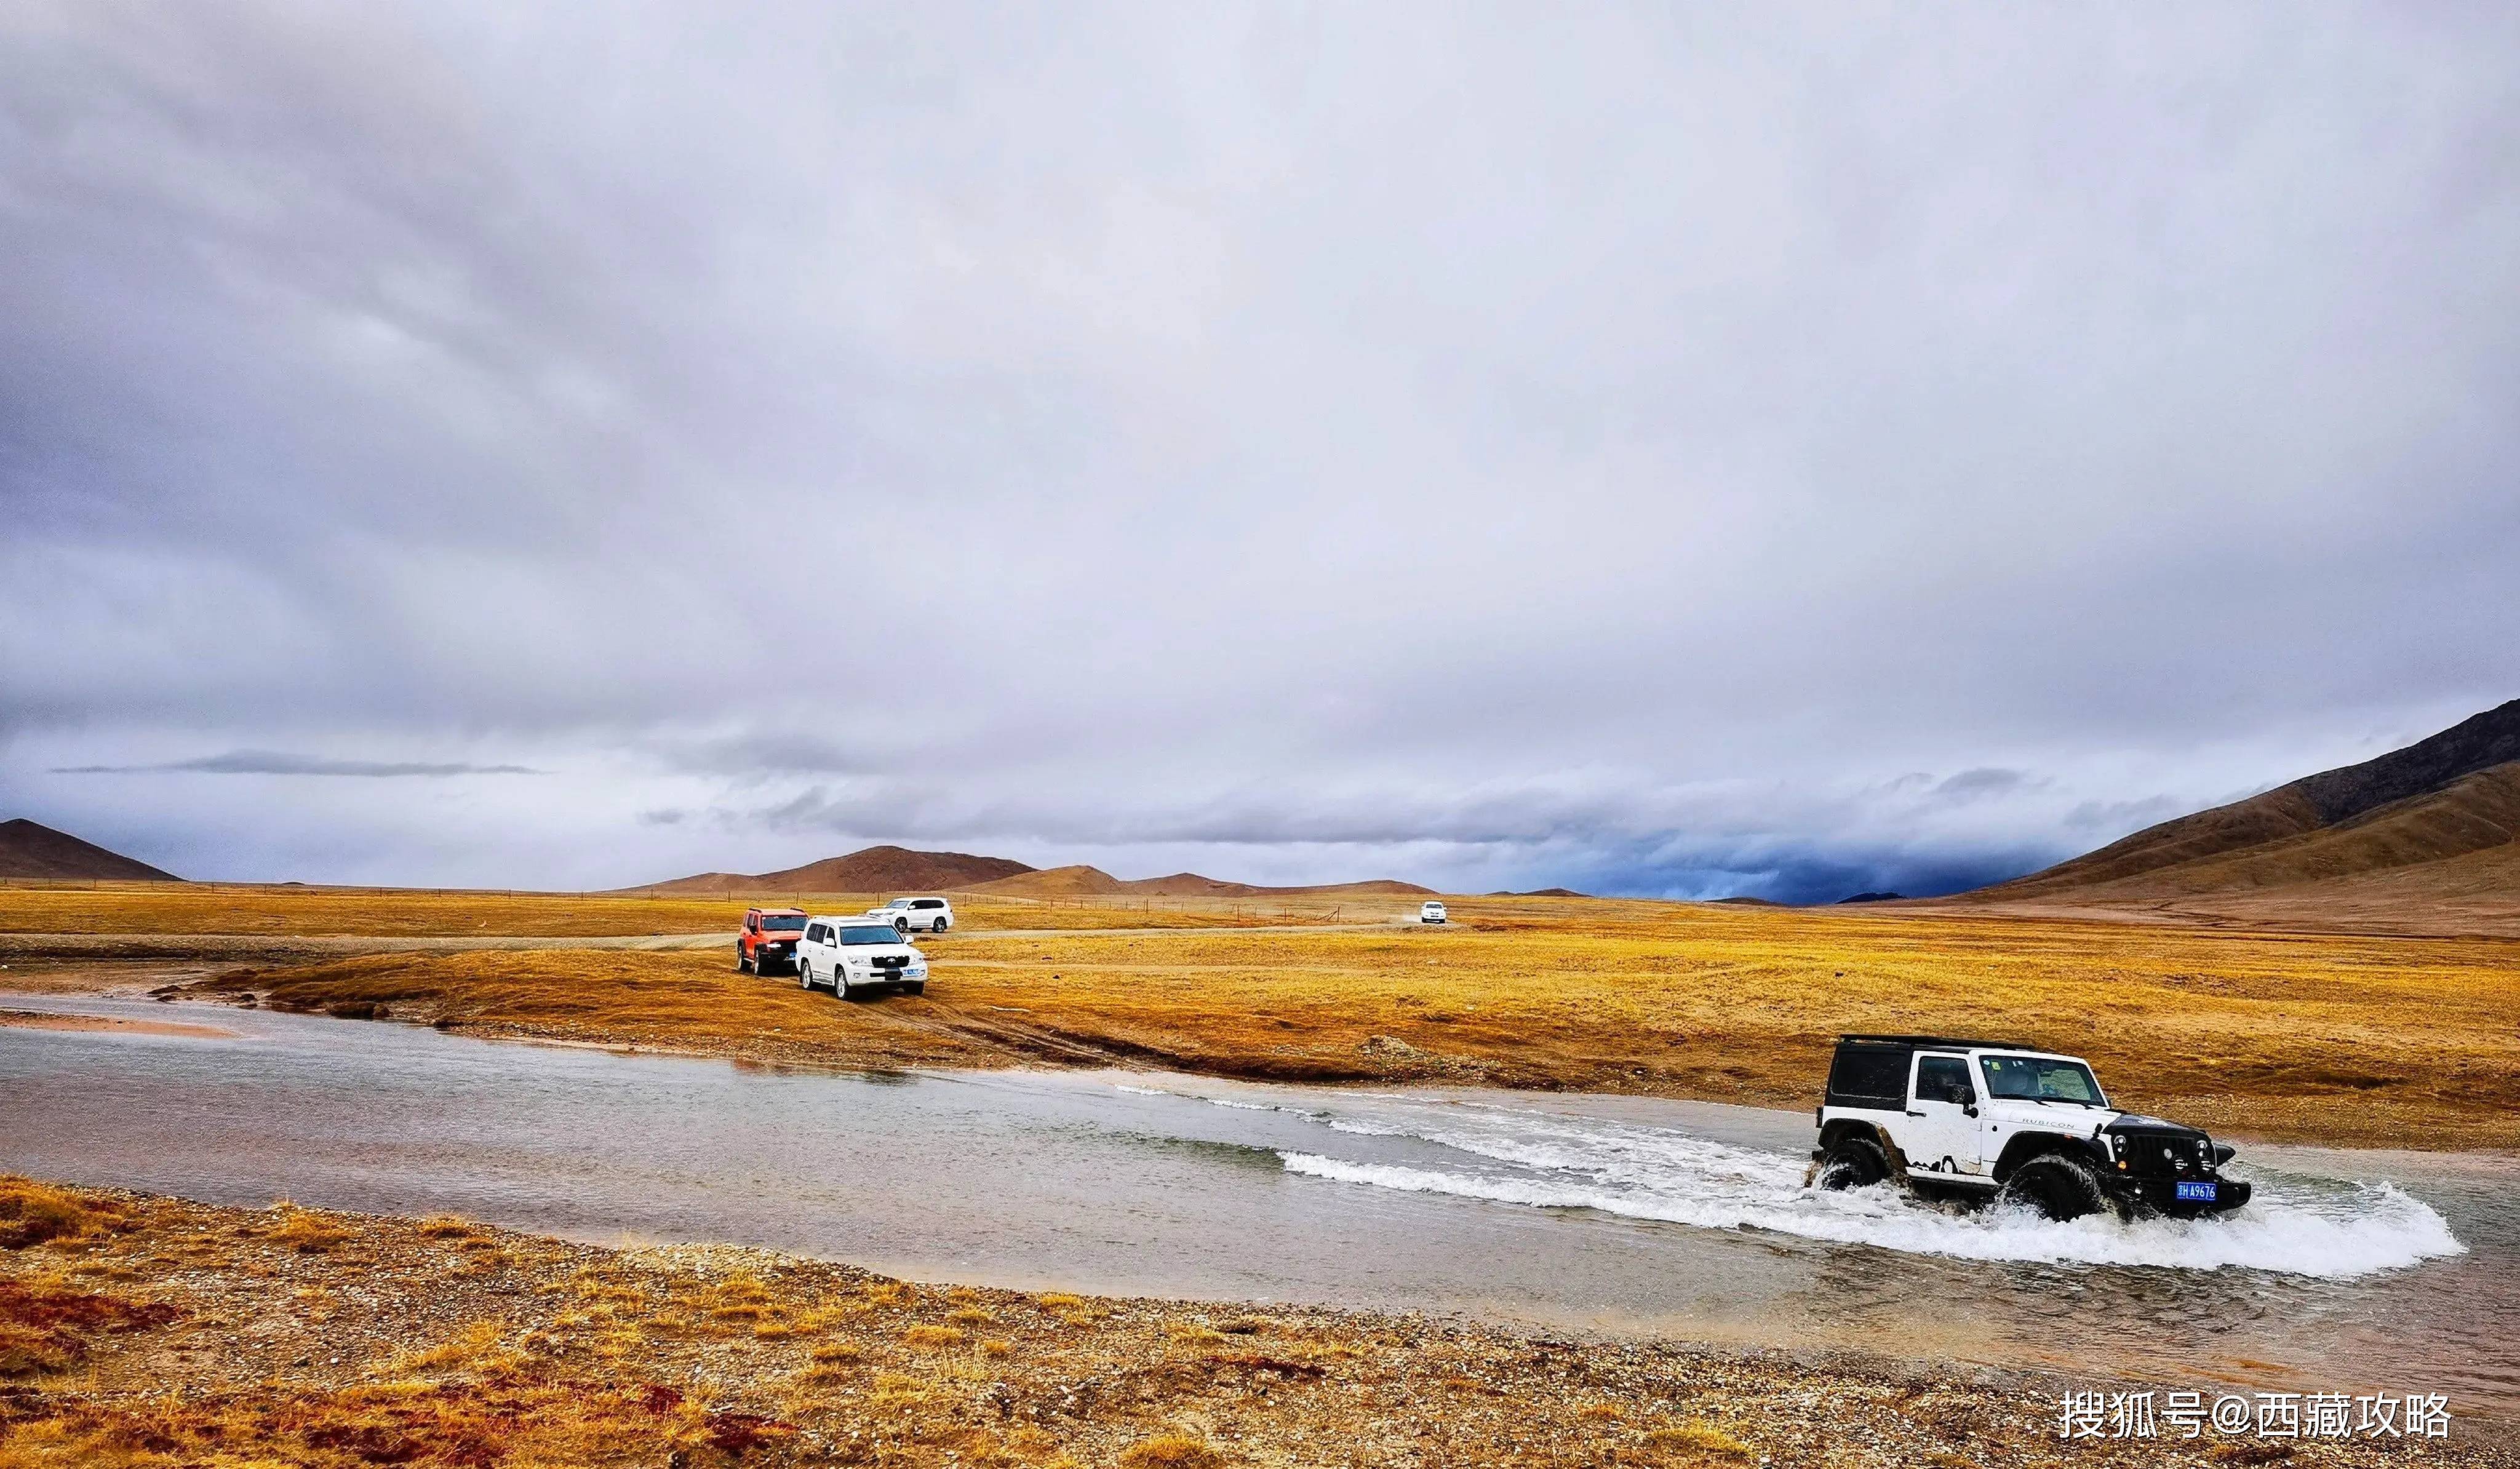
{"points": [[1976, 1121], [917, 915]]}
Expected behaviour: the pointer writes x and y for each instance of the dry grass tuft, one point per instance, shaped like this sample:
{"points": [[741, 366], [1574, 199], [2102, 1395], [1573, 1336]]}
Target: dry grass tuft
{"points": [[478, 1349], [931, 1336], [1699, 1439], [32, 1213], [1170, 1450], [45, 1327], [306, 1231], [898, 1391]]}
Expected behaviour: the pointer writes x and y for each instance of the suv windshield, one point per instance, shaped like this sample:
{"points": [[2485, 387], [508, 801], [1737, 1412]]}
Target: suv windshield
{"points": [[898, 903], [2040, 1079], [873, 933], [784, 923]]}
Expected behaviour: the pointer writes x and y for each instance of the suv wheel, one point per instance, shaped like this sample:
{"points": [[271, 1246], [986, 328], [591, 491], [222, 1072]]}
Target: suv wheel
{"points": [[940, 925], [839, 979], [901, 926], [804, 975], [2059, 1186], [1855, 1163], [745, 964]]}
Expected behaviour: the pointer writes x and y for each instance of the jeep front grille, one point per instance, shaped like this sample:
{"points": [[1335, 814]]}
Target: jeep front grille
{"points": [[2171, 1154]]}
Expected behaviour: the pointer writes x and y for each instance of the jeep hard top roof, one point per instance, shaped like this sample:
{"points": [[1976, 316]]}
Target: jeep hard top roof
{"points": [[1955, 1043]]}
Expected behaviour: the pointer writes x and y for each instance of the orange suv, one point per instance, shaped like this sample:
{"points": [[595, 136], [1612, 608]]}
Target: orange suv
{"points": [[767, 941]]}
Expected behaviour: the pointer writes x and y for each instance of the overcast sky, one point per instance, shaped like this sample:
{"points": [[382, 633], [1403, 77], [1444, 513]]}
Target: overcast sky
{"points": [[1692, 450]]}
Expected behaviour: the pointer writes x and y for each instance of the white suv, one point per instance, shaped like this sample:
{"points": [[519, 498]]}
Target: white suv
{"points": [[1430, 912], [1976, 1121], [857, 954], [917, 915]]}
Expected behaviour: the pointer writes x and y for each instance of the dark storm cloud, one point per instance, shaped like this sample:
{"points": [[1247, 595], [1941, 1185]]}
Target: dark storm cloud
{"points": [[1649, 449], [273, 763]]}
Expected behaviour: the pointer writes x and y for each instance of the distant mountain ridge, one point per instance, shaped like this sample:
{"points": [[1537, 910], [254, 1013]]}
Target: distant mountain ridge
{"points": [[898, 870], [28, 849], [2426, 837], [1085, 881], [874, 869]]}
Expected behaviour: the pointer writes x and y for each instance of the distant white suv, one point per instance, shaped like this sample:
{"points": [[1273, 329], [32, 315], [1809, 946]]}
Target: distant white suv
{"points": [[856, 954], [1431, 913], [918, 915], [1979, 1121]]}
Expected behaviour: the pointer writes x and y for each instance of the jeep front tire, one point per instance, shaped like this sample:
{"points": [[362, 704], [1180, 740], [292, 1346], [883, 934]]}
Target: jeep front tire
{"points": [[2059, 1186], [1854, 1163]]}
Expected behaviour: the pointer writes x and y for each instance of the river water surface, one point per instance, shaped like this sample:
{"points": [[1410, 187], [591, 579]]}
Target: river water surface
{"points": [[2350, 1270]]}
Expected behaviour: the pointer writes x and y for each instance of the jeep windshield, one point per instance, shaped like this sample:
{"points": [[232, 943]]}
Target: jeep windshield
{"points": [[783, 922], [2040, 1079], [871, 933]]}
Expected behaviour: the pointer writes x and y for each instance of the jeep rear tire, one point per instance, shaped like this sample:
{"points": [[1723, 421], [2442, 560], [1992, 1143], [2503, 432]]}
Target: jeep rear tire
{"points": [[2059, 1186], [1855, 1163]]}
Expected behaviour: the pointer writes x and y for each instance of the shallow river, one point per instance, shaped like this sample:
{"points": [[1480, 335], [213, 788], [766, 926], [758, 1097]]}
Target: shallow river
{"points": [[2396, 1272]]}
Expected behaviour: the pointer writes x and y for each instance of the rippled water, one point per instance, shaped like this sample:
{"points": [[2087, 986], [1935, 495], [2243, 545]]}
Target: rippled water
{"points": [[2348, 1271]]}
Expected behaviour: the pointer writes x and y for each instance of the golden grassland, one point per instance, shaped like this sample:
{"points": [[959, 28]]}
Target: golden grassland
{"points": [[144, 1334], [2310, 1039], [197, 907], [2328, 1038]]}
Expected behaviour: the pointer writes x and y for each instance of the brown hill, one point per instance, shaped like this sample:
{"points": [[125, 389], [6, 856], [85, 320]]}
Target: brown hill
{"points": [[1074, 882], [1085, 881], [875, 870], [2422, 839], [29, 850]]}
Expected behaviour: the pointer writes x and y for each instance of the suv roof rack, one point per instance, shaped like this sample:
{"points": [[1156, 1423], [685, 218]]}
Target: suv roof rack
{"points": [[1952, 1041]]}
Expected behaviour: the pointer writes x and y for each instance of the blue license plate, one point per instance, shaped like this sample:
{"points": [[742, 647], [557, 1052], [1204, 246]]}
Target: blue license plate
{"points": [[2201, 1193]]}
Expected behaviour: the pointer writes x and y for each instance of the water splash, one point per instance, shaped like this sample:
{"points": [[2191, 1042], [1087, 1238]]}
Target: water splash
{"points": [[2293, 1225]]}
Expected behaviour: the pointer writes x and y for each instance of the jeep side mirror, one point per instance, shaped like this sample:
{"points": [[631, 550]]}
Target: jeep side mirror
{"points": [[1969, 1108]]}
